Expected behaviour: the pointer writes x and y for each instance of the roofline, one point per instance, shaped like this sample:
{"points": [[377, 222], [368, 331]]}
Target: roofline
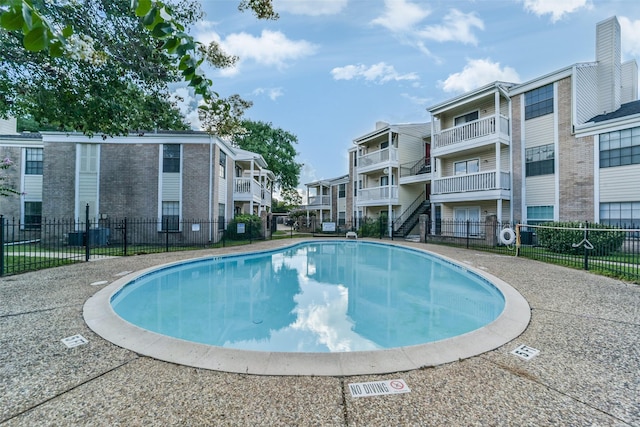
{"points": [[390, 127], [486, 88]]}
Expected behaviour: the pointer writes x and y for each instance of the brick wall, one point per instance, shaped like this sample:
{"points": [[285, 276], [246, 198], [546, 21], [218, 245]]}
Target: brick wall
{"points": [[516, 140], [575, 162], [10, 205], [59, 180], [195, 181]]}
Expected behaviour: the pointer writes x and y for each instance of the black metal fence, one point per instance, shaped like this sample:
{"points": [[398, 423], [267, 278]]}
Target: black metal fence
{"points": [[49, 243], [611, 251]]}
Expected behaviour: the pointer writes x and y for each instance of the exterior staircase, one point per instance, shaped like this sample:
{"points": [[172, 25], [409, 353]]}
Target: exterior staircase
{"points": [[403, 225]]}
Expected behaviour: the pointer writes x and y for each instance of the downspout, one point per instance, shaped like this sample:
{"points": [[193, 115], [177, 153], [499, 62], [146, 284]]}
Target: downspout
{"points": [[251, 189], [210, 192]]}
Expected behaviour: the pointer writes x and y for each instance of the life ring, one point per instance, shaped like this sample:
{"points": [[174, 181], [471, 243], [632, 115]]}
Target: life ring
{"points": [[507, 236]]}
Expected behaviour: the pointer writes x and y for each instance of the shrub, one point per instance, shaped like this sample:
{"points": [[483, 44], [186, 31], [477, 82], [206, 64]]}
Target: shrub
{"points": [[561, 240], [252, 227], [372, 227]]}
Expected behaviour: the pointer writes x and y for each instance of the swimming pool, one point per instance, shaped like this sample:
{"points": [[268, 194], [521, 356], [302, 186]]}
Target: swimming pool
{"points": [[316, 307]]}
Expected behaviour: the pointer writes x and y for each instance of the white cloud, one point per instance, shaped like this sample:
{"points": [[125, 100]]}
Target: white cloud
{"points": [[630, 35], [476, 73], [555, 7], [271, 48], [415, 99], [456, 26], [187, 105], [401, 16], [378, 73], [273, 93], [310, 7]]}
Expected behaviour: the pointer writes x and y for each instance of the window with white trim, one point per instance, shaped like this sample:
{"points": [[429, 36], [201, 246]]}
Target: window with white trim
{"points": [[170, 216], [620, 214], [538, 102], [539, 214], [466, 167]]}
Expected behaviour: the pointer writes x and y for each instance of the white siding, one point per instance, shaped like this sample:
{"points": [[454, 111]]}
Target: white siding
{"points": [[171, 187], [342, 204], [8, 126], [620, 184], [32, 188], [222, 191], [540, 190], [539, 131], [410, 149], [586, 93], [88, 175], [629, 91]]}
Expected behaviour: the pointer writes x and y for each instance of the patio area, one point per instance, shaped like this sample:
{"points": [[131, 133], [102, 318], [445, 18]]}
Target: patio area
{"points": [[585, 326]]}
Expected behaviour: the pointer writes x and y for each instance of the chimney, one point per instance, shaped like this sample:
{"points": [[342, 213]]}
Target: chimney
{"points": [[381, 124], [9, 126], [609, 56]]}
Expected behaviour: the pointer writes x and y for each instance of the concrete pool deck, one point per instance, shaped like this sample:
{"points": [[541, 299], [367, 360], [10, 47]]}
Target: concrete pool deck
{"points": [[587, 328]]}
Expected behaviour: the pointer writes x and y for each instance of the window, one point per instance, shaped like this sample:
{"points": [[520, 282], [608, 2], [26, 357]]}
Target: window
{"points": [[384, 145], [171, 158], [223, 164], [88, 158], [32, 214], [222, 208], [620, 148], [466, 166], [623, 214], [539, 214], [538, 102], [539, 160], [342, 191], [33, 164], [342, 218], [466, 118], [170, 216]]}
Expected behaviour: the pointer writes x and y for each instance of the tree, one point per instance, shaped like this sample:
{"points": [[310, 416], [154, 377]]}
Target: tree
{"points": [[6, 190], [276, 146], [104, 65]]}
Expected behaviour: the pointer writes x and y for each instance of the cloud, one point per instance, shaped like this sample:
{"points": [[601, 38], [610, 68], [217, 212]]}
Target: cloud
{"points": [[415, 99], [456, 26], [310, 7], [270, 49], [187, 105], [401, 16], [379, 73], [273, 93], [554, 7], [476, 73], [630, 35]]}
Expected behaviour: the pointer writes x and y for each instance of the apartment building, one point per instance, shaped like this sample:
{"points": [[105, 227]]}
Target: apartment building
{"points": [[167, 175], [330, 200], [559, 147], [391, 172]]}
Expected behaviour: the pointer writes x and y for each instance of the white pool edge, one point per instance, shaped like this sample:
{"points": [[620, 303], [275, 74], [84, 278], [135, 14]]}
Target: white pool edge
{"points": [[102, 319]]}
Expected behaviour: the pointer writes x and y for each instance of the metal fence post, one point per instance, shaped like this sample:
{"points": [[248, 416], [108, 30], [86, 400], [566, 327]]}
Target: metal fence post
{"points": [[586, 249], [468, 231], [86, 230], [166, 230], [1, 245], [124, 237]]}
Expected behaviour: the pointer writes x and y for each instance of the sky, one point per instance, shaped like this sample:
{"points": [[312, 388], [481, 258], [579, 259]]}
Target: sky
{"points": [[328, 70]]}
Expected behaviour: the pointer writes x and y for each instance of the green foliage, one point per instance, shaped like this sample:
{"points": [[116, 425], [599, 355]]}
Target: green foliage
{"points": [[103, 66], [252, 227], [561, 240], [370, 227], [6, 190], [276, 147]]}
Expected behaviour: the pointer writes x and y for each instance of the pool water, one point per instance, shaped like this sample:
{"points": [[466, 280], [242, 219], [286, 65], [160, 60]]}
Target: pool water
{"points": [[325, 296]]}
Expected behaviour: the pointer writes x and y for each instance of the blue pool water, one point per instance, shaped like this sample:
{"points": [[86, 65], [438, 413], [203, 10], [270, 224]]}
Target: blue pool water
{"points": [[326, 296]]}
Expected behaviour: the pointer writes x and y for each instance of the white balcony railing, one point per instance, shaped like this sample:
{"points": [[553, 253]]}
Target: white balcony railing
{"points": [[383, 193], [246, 188], [381, 156], [481, 181], [469, 131], [319, 200]]}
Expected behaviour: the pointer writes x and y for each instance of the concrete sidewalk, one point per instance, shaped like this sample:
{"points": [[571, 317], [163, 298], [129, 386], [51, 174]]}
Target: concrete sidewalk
{"points": [[586, 327]]}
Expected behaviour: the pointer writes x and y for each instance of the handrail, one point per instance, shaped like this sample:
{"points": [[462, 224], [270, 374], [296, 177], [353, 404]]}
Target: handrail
{"points": [[416, 167], [400, 220]]}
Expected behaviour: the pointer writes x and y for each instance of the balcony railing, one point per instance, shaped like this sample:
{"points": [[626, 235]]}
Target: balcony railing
{"points": [[248, 187], [415, 168], [380, 156], [383, 193], [482, 181], [319, 200], [469, 131]]}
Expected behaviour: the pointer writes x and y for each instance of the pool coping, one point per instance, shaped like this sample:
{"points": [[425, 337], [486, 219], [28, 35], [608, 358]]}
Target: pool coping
{"points": [[102, 319]]}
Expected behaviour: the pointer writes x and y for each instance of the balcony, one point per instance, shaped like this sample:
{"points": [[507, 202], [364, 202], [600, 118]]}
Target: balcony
{"points": [[474, 186], [378, 160], [419, 171], [374, 196], [248, 189], [471, 135], [319, 202]]}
